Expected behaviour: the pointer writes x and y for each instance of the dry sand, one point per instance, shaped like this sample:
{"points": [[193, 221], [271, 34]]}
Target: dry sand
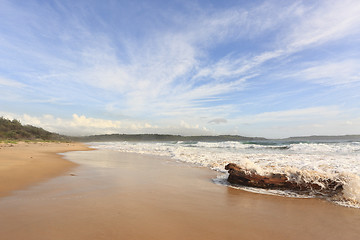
{"points": [[130, 196], [24, 164]]}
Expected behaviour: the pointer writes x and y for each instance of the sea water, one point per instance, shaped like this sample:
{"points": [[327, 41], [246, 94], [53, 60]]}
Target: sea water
{"points": [[308, 161]]}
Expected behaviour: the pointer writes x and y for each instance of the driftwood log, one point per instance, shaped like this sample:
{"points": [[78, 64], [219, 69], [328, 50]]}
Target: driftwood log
{"points": [[240, 176]]}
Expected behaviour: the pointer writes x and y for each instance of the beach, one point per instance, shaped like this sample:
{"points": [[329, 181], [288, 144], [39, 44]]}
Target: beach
{"points": [[26, 163], [115, 195]]}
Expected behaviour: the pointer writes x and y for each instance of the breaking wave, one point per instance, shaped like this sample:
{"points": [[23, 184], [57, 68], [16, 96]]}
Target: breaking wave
{"points": [[306, 162]]}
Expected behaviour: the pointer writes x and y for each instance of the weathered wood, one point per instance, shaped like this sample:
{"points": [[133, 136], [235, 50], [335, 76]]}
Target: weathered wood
{"points": [[239, 176]]}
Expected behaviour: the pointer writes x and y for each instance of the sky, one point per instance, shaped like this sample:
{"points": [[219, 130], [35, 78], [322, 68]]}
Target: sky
{"points": [[254, 68]]}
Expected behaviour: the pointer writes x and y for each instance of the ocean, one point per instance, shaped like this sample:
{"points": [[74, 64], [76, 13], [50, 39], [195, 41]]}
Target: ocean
{"points": [[300, 161]]}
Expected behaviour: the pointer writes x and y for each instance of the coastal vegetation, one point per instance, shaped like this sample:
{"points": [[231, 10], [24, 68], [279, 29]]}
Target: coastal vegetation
{"points": [[12, 131]]}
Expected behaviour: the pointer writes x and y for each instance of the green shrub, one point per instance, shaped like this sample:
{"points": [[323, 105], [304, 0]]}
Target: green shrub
{"points": [[14, 130]]}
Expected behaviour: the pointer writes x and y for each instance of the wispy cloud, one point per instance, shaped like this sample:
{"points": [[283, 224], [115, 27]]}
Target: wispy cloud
{"points": [[324, 22], [295, 115], [331, 73], [200, 61], [11, 83]]}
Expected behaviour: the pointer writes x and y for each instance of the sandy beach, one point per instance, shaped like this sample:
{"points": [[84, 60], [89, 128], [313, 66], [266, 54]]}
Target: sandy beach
{"points": [[114, 195], [23, 164]]}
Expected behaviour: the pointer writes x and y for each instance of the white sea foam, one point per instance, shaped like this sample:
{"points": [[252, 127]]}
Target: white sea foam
{"points": [[307, 162]]}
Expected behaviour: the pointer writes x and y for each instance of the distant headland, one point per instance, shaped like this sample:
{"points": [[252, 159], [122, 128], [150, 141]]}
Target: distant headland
{"points": [[14, 130]]}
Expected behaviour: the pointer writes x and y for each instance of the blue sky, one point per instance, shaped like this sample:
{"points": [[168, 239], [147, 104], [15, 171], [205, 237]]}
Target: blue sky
{"points": [[253, 68]]}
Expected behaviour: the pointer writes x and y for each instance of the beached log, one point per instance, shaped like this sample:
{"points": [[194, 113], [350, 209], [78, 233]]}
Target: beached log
{"points": [[240, 176]]}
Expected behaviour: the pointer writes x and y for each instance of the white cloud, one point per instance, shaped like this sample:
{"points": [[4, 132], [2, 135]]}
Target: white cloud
{"points": [[331, 73], [169, 66], [295, 115], [11, 83], [80, 125], [299, 122], [82, 121], [327, 120], [328, 21], [308, 27]]}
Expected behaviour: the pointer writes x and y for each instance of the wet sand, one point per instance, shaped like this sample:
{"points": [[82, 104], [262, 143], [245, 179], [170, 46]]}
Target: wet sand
{"points": [[24, 164], [130, 196]]}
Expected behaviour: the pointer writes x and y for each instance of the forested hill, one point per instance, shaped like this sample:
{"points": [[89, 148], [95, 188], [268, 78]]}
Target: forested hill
{"points": [[219, 138], [14, 130], [162, 137]]}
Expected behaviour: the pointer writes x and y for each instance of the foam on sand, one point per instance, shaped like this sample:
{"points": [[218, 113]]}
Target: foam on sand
{"points": [[307, 162]]}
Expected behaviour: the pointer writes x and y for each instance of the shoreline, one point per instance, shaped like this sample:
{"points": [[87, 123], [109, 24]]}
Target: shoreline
{"points": [[27, 163], [114, 195], [132, 196]]}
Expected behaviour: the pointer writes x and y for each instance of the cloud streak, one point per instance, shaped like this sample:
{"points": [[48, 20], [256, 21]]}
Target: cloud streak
{"points": [[200, 61], [11, 83]]}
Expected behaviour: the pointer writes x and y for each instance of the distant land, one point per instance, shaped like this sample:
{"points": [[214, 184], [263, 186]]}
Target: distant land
{"points": [[323, 138], [219, 138], [14, 130], [164, 137]]}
